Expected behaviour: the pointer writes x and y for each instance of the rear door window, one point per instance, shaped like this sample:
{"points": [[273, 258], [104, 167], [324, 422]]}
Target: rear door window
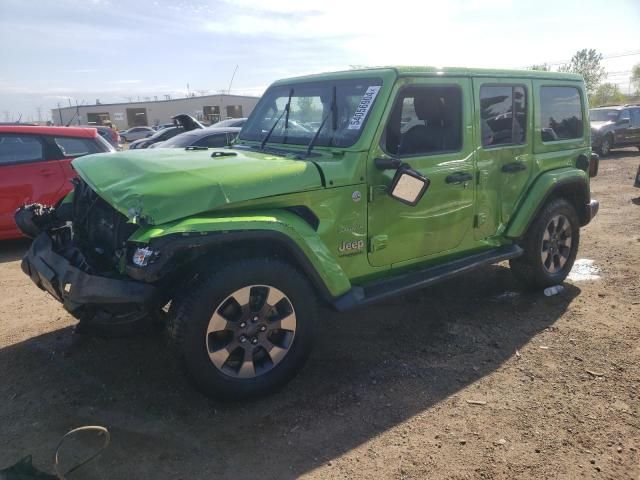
{"points": [[20, 149], [76, 147], [503, 115], [560, 113]]}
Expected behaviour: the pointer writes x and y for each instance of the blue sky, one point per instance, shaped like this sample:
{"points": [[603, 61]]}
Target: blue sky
{"points": [[53, 51]]}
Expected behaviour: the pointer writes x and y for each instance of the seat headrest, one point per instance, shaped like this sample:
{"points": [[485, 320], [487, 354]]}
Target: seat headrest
{"points": [[429, 108]]}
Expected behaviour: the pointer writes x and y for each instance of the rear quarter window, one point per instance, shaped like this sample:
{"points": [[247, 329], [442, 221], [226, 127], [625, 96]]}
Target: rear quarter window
{"points": [[560, 113]]}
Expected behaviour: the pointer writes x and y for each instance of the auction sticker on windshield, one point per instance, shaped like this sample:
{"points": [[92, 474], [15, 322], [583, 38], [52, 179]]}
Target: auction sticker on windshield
{"points": [[363, 108]]}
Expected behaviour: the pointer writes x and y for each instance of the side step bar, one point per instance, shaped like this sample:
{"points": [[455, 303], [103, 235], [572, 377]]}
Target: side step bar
{"points": [[405, 282]]}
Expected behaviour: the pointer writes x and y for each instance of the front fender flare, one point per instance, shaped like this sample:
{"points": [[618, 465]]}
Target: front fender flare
{"points": [[300, 240]]}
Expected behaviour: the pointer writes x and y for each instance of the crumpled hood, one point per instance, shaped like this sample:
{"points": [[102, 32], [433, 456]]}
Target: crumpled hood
{"points": [[162, 185], [599, 125]]}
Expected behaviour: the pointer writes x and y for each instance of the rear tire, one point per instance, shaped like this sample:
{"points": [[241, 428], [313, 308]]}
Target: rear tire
{"points": [[245, 329], [550, 246]]}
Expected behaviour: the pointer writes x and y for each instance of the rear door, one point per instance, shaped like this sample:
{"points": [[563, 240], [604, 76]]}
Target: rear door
{"points": [[28, 174], [504, 156], [71, 148]]}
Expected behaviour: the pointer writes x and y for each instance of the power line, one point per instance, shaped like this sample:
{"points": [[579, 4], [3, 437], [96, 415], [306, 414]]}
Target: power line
{"points": [[627, 53]]}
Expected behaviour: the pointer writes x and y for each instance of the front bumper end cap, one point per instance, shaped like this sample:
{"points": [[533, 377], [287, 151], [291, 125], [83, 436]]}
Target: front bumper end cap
{"points": [[591, 210], [75, 288]]}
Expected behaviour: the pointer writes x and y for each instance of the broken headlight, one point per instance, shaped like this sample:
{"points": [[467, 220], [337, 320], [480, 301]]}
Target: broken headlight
{"points": [[143, 255]]}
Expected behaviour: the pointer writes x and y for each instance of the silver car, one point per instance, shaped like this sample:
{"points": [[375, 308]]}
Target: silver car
{"points": [[136, 133]]}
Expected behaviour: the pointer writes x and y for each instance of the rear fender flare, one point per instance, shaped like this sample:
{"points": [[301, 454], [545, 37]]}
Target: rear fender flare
{"points": [[569, 183]]}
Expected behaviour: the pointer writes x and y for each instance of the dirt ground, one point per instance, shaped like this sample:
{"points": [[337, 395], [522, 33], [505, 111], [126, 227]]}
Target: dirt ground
{"points": [[389, 391]]}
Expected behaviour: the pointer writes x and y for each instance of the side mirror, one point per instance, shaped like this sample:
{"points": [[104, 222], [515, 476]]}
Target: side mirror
{"points": [[408, 186]]}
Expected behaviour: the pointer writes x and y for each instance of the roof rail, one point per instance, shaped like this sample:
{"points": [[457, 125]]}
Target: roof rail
{"points": [[632, 105]]}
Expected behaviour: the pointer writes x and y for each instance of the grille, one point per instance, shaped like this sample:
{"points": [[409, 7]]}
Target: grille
{"points": [[99, 230]]}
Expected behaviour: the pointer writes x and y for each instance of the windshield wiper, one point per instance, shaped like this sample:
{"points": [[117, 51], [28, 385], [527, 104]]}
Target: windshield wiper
{"points": [[334, 124], [286, 110]]}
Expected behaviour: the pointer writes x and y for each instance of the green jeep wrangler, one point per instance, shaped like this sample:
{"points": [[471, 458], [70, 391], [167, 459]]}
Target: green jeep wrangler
{"points": [[342, 189]]}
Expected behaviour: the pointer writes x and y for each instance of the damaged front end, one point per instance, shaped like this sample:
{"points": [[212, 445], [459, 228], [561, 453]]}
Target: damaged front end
{"points": [[77, 256]]}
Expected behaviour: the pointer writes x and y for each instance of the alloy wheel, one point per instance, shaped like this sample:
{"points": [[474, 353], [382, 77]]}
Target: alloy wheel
{"points": [[251, 331], [605, 147], [556, 244]]}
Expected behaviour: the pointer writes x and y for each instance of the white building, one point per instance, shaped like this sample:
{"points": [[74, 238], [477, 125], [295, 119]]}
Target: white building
{"points": [[206, 108]]}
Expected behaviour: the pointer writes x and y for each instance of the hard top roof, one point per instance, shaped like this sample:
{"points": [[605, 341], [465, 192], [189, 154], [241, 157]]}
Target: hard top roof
{"points": [[403, 71], [57, 131]]}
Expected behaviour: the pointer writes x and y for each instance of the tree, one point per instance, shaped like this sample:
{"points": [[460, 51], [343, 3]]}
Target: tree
{"points": [[586, 62], [306, 109], [543, 67], [607, 93], [635, 78]]}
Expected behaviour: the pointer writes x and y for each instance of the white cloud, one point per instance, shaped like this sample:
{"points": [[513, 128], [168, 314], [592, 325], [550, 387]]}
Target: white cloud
{"points": [[406, 32]]}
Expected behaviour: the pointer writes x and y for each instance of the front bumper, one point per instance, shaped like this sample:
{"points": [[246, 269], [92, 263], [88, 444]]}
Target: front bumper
{"points": [[78, 290], [590, 211]]}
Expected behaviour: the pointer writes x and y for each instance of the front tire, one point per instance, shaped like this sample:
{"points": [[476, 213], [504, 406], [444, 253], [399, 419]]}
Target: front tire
{"points": [[550, 246], [606, 145], [245, 329]]}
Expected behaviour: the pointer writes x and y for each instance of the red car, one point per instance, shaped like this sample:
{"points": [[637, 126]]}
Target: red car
{"points": [[35, 166]]}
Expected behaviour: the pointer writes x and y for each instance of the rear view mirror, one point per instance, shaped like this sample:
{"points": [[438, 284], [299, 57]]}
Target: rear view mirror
{"points": [[408, 186]]}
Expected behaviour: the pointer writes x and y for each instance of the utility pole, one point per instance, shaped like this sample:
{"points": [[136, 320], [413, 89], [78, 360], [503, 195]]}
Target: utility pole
{"points": [[228, 91], [39, 110]]}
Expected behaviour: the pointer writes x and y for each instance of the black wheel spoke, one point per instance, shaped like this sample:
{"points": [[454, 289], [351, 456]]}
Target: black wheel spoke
{"points": [[556, 244]]}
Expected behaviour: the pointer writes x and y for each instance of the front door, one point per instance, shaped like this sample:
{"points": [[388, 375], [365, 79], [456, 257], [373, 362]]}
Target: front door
{"points": [[623, 134], [429, 127], [635, 126], [504, 156]]}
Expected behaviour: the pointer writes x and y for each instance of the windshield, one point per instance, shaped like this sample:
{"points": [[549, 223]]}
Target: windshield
{"points": [[603, 115], [310, 103]]}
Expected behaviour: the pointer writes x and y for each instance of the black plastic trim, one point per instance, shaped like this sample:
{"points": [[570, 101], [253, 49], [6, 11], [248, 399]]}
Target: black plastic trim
{"points": [[405, 282], [52, 272], [555, 188], [171, 247]]}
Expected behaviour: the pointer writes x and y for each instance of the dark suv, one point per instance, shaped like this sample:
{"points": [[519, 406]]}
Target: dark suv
{"points": [[614, 126]]}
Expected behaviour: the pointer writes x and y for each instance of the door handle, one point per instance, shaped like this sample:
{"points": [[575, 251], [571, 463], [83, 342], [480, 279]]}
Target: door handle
{"points": [[458, 177], [513, 167]]}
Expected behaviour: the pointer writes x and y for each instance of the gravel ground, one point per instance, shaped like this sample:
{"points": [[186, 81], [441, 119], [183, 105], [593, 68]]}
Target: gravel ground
{"points": [[470, 379]]}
